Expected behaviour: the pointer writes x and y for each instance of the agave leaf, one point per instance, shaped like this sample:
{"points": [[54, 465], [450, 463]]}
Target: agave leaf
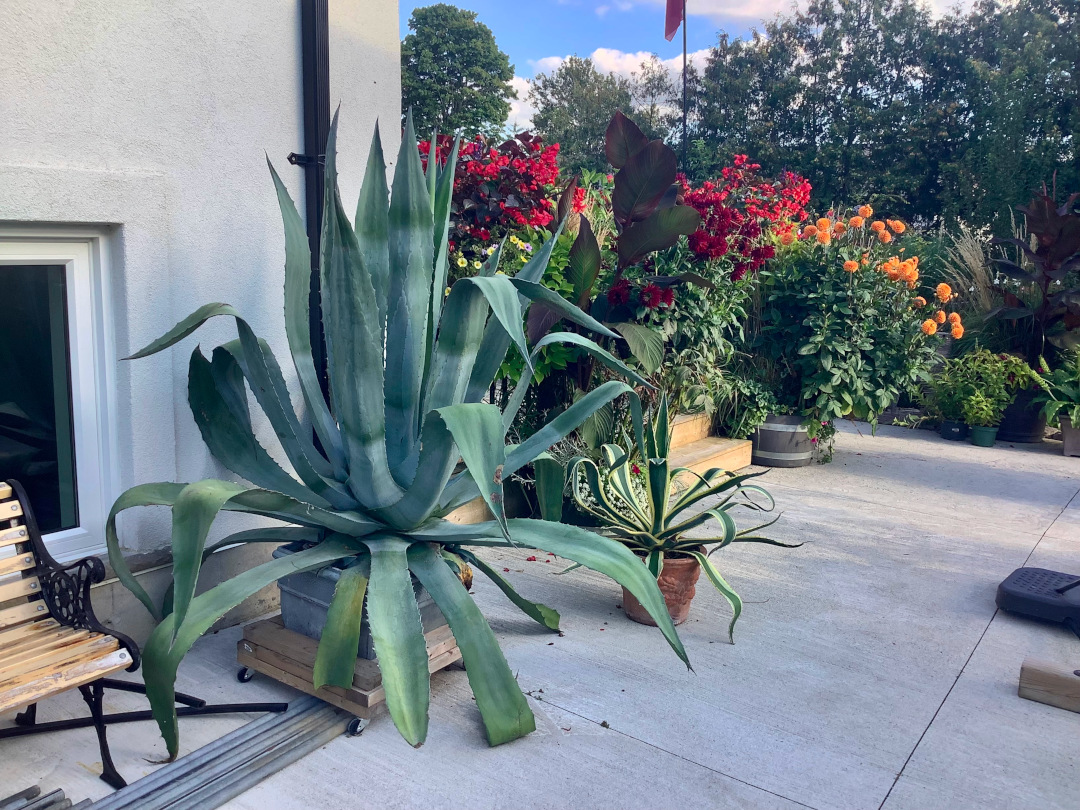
{"points": [[160, 494], [548, 617], [399, 636], [353, 349], [335, 659], [550, 484], [505, 306], [184, 328], [263, 374], [458, 343], [373, 226], [443, 197], [213, 393], [436, 462], [730, 529], [537, 292], [298, 326], [721, 585], [496, 339], [505, 711], [276, 505], [658, 488], [409, 299], [477, 431], [171, 639], [193, 514], [654, 561]]}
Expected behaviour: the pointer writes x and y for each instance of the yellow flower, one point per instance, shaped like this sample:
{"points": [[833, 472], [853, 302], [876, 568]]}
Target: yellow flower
{"points": [[461, 261], [447, 292], [856, 222], [943, 292], [500, 273], [865, 211], [476, 265], [929, 327], [851, 266], [490, 250], [877, 225], [957, 331]]}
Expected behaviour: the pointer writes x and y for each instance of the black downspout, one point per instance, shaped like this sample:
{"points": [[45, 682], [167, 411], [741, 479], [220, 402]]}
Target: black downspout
{"points": [[315, 40]]}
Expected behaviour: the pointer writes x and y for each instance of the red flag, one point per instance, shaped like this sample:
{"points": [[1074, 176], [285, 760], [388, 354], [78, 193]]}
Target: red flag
{"points": [[674, 17]]}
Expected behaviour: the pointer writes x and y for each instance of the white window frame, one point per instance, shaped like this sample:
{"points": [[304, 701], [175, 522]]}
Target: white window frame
{"points": [[92, 359]]}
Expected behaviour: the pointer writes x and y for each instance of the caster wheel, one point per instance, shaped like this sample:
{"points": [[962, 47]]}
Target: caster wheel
{"points": [[245, 674], [356, 727]]}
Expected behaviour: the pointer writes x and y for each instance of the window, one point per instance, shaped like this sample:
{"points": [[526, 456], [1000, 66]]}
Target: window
{"points": [[53, 419]]}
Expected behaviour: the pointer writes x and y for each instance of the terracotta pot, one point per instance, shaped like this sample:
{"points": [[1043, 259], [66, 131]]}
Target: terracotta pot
{"points": [[677, 581]]}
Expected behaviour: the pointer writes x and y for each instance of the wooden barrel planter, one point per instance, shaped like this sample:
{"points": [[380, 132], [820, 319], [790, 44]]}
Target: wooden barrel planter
{"points": [[782, 441]]}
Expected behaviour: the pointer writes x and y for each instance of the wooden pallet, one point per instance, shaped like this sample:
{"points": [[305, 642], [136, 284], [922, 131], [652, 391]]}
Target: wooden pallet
{"points": [[271, 649], [1052, 684]]}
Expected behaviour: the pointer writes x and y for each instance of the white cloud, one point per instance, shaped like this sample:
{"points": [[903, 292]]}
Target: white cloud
{"points": [[521, 112]]}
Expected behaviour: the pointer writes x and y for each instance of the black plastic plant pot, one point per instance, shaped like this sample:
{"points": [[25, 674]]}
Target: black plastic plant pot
{"points": [[953, 430], [1023, 421], [782, 441], [983, 436]]}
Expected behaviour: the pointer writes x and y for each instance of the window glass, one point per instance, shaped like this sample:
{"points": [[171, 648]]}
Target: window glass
{"points": [[36, 438]]}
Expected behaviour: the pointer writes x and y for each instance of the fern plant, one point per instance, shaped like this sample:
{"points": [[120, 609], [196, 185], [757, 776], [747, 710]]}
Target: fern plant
{"points": [[408, 365]]}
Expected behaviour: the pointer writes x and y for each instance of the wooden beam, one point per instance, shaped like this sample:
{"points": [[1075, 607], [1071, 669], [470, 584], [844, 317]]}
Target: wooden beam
{"points": [[1052, 684]]}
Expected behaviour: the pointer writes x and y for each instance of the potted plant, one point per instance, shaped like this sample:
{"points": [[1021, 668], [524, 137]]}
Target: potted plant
{"points": [[1061, 401], [1023, 421], [948, 391], [409, 367], [637, 498], [983, 415]]}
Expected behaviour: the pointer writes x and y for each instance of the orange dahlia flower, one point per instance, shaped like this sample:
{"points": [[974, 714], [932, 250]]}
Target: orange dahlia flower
{"points": [[865, 211], [884, 237], [929, 327], [957, 331], [851, 266], [939, 316], [856, 222], [809, 231], [839, 229], [954, 318], [823, 224], [918, 301], [787, 238], [943, 292], [824, 237], [877, 225], [897, 226]]}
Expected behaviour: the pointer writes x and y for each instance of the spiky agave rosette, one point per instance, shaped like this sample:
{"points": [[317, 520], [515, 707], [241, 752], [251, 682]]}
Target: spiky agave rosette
{"points": [[408, 369]]}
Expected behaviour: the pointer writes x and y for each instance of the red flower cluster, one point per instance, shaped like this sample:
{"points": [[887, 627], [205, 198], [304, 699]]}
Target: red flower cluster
{"points": [[739, 212], [650, 296], [499, 187]]}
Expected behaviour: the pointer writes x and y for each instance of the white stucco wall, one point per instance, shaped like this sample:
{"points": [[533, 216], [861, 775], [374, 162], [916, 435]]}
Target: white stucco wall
{"points": [[150, 120]]}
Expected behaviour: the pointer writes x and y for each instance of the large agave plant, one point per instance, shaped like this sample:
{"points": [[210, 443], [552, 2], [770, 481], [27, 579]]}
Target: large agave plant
{"points": [[408, 368]]}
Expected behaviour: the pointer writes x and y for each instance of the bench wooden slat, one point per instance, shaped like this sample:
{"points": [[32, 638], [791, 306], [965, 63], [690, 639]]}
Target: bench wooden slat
{"points": [[9, 510], [5, 491], [24, 631], [26, 586], [23, 692], [9, 537], [41, 642], [9, 617], [40, 663], [19, 562]]}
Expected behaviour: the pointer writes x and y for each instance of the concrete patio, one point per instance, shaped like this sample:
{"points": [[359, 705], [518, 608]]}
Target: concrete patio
{"points": [[871, 669]]}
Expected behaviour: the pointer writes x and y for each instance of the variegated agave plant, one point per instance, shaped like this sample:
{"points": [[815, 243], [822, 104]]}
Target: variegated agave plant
{"points": [[653, 514], [408, 368]]}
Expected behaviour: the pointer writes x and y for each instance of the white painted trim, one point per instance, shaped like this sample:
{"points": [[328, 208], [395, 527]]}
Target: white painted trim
{"points": [[84, 254]]}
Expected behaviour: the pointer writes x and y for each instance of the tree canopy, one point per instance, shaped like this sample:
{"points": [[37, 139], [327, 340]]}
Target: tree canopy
{"points": [[453, 75]]}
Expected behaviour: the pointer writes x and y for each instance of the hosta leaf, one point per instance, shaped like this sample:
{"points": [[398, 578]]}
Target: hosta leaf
{"points": [[505, 711], [399, 636]]}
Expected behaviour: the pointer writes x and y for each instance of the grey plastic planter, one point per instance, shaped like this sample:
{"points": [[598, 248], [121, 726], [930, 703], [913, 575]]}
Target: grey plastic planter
{"points": [[306, 597], [1070, 438]]}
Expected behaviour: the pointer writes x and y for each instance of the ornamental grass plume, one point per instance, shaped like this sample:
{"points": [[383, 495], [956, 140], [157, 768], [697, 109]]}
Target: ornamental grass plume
{"points": [[929, 327]]}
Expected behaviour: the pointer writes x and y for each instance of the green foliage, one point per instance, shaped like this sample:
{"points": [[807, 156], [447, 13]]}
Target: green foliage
{"points": [[636, 497], [879, 100], [839, 343], [573, 105], [983, 411], [1061, 399], [409, 366], [453, 75], [980, 385]]}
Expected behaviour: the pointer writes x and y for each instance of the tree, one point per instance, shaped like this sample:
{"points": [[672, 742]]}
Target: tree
{"points": [[573, 106], [453, 75], [657, 102]]}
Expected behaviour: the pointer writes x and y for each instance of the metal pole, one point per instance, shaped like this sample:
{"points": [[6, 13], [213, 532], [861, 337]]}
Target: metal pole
{"points": [[684, 85]]}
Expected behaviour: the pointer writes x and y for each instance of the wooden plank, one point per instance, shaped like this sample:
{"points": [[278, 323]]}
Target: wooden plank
{"points": [[1052, 684], [9, 537], [9, 510], [22, 693], [17, 634], [687, 428], [40, 642], [9, 617], [36, 663], [705, 454], [475, 511], [19, 562], [25, 586], [250, 660], [5, 491]]}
